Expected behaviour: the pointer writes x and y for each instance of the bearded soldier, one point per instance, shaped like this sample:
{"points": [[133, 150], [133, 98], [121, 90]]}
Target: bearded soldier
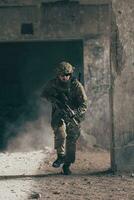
{"points": [[69, 104]]}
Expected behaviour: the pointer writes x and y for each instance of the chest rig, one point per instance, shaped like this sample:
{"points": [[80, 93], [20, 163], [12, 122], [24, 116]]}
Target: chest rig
{"points": [[67, 89]]}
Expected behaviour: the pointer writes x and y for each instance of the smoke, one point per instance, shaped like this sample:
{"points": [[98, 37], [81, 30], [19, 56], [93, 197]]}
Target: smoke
{"points": [[32, 134]]}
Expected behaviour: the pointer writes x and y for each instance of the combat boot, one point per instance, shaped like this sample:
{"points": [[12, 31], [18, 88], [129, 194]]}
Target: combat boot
{"points": [[59, 161], [66, 169]]}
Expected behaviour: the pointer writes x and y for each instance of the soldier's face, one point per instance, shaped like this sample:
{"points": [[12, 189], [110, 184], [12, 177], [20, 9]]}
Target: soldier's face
{"points": [[64, 78]]}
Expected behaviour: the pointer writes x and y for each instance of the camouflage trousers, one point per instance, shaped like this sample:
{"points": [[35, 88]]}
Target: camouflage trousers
{"points": [[65, 141]]}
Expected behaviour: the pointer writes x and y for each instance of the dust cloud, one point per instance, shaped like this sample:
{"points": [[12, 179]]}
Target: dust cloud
{"points": [[32, 134], [36, 134]]}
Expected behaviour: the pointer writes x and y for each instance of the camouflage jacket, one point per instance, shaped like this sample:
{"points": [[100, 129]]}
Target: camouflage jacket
{"points": [[73, 90]]}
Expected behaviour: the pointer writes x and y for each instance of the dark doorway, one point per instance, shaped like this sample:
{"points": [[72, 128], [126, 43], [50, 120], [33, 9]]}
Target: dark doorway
{"points": [[24, 68]]}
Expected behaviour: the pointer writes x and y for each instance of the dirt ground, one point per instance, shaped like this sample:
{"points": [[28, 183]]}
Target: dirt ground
{"points": [[30, 175]]}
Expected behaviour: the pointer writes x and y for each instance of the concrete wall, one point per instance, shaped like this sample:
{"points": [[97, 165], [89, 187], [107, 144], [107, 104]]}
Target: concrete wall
{"points": [[97, 79], [90, 23], [123, 83], [60, 21], [53, 21]]}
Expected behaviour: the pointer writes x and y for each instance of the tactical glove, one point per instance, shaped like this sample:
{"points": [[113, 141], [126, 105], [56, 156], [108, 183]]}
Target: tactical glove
{"points": [[78, 115]]}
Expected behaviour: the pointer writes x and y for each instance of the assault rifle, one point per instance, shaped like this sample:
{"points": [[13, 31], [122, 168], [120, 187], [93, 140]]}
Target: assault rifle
{"points": [[68, 115]]}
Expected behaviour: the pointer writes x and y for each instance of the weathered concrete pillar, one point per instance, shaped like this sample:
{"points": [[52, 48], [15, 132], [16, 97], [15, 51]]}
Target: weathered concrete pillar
{"points": [[123, 88], [97, 84]]}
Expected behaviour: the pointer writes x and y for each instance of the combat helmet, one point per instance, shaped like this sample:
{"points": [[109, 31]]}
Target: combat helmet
{"points": [[64, 68]]}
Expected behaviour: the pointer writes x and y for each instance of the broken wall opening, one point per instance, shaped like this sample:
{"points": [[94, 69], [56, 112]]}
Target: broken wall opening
{"points": [[24, 68]]}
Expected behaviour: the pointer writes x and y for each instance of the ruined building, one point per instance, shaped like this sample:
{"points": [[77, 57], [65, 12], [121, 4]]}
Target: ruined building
{"points": [[91, 34]]}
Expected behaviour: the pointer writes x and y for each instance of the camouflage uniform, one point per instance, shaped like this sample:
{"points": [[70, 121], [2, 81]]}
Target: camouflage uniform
{"points": [[75, 93]]}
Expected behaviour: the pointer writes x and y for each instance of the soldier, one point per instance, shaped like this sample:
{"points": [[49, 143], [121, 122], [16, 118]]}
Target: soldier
{"points": [[66, 129]]}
